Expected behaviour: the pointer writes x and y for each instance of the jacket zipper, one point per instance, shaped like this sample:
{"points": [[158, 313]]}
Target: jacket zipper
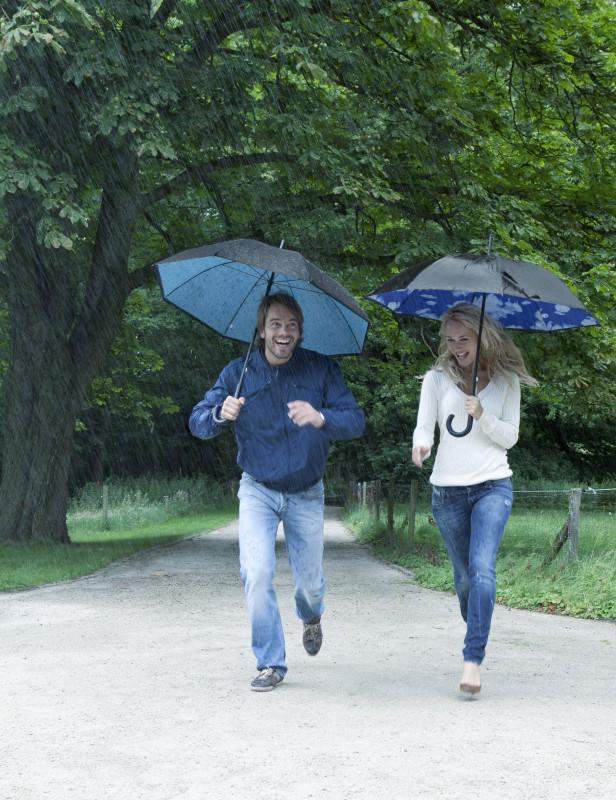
{"points": [[284, 421]]}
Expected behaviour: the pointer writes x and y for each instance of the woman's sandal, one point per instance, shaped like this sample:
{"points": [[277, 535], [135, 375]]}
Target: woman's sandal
{"points": [[469, 690]]}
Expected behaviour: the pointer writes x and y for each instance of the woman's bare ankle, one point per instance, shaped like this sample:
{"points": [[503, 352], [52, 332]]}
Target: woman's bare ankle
{"points": [[471, 673]]}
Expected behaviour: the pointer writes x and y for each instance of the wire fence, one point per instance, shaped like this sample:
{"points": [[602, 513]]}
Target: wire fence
{"points": [[525, 496], [378, 496]]}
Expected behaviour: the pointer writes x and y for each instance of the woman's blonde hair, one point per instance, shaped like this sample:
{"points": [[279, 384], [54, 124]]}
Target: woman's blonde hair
{"points": [[499, 355]]}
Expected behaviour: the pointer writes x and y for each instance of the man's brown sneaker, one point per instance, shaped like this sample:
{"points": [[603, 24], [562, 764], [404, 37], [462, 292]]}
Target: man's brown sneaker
{"points": [[313, 636], [266, 680]]}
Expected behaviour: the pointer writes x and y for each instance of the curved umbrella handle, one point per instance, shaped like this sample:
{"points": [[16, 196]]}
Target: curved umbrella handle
{"points": [[469, 422], [467, 430]]}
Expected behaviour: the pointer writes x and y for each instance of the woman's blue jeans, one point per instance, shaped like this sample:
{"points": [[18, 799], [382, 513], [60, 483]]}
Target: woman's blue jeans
{"points": [[472, 521], [301, 513]]}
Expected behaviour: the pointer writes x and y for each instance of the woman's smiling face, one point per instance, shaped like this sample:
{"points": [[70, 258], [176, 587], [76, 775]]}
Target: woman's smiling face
{"points": [[461, 343]]}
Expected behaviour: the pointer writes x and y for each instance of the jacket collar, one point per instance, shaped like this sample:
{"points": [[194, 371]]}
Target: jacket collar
{"points": [[289, 365]]}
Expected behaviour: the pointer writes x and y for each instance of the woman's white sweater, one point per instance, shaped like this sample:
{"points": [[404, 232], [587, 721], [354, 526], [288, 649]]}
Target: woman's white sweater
{"points": [[482, 454]]}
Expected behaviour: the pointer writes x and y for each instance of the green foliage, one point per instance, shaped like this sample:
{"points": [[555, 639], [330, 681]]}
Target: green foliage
{"points": [[141, 514], [368, 136], [23, 566], [128, 387], [141, 501], [584, 587]]}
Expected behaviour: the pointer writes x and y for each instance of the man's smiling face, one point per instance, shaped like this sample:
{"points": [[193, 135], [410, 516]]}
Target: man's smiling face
{"points": [[281, 334]]}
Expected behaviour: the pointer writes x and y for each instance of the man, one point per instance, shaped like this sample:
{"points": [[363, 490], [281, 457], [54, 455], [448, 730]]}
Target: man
{"points": [[293, 403]]}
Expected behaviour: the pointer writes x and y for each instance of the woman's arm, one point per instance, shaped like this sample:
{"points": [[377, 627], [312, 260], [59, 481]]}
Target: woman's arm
{"points": [[503, 430], [423, 435]]}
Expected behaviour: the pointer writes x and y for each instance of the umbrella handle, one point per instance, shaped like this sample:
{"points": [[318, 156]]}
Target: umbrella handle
{"points": [[465, 432], [469, 422]]}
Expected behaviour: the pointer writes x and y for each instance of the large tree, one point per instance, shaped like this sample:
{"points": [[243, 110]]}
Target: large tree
{"points": [[368, 133], [108, 109]]}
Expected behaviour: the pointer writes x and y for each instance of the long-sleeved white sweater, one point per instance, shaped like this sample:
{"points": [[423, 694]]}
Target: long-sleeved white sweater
{"points": [[482, 454]]}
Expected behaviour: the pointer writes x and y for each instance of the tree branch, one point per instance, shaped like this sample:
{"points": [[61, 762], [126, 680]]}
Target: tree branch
{"points": [[386, 42], [160, 230], [228, 21], [219, 201], [106, 288], [226, 162], [231, 20], [165, 10], [143, 276]]}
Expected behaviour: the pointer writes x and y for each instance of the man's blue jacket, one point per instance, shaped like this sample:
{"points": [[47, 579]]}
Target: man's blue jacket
{"points": [[271, 448]]}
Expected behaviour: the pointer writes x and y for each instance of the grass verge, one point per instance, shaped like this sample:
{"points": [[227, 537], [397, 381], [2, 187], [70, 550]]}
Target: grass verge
{"points": [[584, 587], [26, 565], [138, 515]]}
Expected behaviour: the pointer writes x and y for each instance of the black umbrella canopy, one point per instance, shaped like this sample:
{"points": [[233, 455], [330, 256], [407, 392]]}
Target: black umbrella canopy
{"points": [[516, 294], [489, 274], [287, 264], [222, 285]]}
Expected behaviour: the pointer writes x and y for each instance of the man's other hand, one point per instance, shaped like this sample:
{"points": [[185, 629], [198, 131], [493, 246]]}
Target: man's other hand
{"points": [[302, 413], [231, 408]]}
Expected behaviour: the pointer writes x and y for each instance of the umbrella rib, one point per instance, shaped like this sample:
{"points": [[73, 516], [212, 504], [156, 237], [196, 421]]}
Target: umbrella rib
{"points": [[207, 269], [192, 277], [335, 304], [246, 296], [307, 288]]}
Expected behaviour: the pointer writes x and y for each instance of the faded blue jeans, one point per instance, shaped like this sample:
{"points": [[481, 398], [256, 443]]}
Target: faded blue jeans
{"points": [[301, 513], [472, 521]]}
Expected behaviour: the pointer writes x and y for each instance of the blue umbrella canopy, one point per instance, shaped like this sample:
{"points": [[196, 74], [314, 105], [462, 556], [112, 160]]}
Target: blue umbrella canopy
{"points": [[518, 294], [222, 285]]}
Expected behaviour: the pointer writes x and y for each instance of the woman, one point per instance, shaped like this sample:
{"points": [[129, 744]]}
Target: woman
{"points": [[471, 479]]}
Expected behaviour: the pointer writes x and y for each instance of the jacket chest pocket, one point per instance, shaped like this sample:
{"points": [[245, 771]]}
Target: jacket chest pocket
{"points": [[309, 393], [258, 406]]}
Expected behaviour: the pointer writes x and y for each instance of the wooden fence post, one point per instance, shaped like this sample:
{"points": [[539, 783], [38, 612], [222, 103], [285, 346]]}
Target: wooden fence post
{"points": [[390, 512], [561, 536], [412, 510], [106, 524], [575, 500], [370, 495], [364, 493], [377, 499]]}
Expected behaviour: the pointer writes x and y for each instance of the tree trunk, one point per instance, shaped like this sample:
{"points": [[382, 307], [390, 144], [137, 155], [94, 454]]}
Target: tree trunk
{"points": [[57, 346], [39, 420]]}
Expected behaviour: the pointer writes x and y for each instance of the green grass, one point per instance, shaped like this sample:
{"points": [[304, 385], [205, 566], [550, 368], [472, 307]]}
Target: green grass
{"points": [[141, 514], [27, 565], [584, 587]]}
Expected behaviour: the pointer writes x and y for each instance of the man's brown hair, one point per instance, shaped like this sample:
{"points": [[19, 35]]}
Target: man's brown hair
{"points": [[281, 299]]}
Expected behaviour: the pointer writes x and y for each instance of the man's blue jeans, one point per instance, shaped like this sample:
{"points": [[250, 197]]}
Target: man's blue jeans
{"points": [[472, 521], [301, 513]]}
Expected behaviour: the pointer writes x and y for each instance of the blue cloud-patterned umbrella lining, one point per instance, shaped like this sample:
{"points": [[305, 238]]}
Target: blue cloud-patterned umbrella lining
{"points": [[510, 311]]}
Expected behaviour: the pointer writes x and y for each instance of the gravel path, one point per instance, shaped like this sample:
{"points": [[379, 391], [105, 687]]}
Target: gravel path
{"points": [[133, 684]]}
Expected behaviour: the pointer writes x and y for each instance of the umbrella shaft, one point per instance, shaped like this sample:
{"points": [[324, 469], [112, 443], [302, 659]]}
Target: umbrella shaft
{"points": [[478, 353], [469, 422], [238, 388]]}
